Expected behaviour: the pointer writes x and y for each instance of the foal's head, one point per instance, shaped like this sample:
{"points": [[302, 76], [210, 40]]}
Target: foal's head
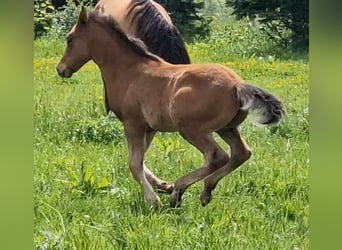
{"points": [[77, 52], [90, 29]]}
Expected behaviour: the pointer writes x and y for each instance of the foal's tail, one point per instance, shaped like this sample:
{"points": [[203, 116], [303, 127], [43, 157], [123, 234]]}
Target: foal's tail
{"points": [[264, 107]]}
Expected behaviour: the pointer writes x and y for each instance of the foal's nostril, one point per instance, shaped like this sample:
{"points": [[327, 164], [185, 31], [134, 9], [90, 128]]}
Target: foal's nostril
{"points": [[63, 71], [58, 71]]}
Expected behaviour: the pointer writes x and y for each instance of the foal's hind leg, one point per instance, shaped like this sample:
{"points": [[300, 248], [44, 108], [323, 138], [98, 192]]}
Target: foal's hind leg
{"points": [[214, 156], [240, 153], [152, 179]]}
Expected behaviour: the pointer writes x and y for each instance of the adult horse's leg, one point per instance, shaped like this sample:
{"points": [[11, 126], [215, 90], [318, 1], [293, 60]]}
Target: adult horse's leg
{"points": [[214, 156], [135, 136], [152, 179], [240, 153]]}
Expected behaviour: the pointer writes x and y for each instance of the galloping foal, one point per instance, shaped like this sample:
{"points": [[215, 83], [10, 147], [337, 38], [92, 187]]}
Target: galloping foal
{"points": [[148, 94]]}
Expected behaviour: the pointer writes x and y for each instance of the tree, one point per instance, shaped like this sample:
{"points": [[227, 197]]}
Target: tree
{"points": [[61, 3], [285, 21], [41, 18], [188, 17], [186, 14]]}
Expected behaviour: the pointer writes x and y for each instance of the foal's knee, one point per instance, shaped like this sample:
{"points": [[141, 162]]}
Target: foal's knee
{"points": [[137, 171]]}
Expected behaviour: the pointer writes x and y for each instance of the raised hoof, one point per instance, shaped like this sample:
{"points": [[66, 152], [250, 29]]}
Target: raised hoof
{"points": [[175, 199], [205, 197], [165, 188]]}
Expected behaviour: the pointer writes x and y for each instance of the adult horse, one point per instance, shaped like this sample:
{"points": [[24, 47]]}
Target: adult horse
{"points": [[148, 94], [148, 21]]}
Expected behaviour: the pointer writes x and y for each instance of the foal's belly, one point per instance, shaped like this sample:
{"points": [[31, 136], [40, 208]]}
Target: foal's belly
{"points": [[159, 121], [163, 127]]}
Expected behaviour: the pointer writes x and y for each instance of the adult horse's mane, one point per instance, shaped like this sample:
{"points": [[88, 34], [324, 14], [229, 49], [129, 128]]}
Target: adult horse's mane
{"points": [[136, 44], [161, 38]]}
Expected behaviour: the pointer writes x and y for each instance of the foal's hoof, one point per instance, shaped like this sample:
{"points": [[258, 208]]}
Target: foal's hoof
{"points": [[155, 205], [205, 197], [165, 188], [158, 206], [175, 199], [169, 188]]}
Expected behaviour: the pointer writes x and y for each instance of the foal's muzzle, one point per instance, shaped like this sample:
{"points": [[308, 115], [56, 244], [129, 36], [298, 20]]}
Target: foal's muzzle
{"points": [[64, 71]]}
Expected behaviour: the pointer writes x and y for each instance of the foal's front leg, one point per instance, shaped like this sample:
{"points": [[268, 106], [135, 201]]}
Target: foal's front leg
{"points": [[152, 179], [135, 136]]}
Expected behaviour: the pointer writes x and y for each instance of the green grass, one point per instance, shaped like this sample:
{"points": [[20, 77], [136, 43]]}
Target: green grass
{"points": [[85, 197]]}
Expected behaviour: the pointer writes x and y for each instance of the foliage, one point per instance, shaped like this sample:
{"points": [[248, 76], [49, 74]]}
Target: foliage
{"points": [[106, 130], [41, 17], [56, 18], [61, 3], [232, 39], [64, 19], [188, 17], [286, 22]]}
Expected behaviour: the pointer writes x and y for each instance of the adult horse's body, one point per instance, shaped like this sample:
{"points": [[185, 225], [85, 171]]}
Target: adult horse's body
{"points": [[148, 94], [148, 21]]}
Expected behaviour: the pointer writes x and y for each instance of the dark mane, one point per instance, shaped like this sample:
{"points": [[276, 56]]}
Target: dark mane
{"points": [[136, 44], [161, 38]]}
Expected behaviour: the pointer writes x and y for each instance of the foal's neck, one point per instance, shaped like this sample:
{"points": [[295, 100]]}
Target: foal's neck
{"points": [[115, 57]]}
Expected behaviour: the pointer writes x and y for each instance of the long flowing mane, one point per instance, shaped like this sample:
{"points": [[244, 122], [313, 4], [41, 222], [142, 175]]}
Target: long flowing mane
{"points": [[161, 38], [136, 44]]}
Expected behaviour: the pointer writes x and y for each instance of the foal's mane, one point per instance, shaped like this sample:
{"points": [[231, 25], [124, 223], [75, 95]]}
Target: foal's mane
{"points": [[136, 44], [161, 38]]}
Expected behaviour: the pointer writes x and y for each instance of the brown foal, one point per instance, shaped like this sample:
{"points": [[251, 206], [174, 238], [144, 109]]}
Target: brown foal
{"points": [[148, 95]]}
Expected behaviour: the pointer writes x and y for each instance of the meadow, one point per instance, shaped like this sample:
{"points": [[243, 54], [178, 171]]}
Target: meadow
{"points": [[85, 197]]}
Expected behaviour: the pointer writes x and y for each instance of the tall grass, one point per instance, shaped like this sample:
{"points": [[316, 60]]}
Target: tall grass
{"points": [[85, 197]]}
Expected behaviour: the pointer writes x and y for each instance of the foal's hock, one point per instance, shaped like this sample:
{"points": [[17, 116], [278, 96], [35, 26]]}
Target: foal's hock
{"points": [[148, 95]]}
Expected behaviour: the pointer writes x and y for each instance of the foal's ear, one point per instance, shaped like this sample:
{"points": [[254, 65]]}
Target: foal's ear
{"points": [[84, 16]]}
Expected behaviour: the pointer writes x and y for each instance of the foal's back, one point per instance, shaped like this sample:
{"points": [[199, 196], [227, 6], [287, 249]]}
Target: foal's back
{"points": [[203, 95]]}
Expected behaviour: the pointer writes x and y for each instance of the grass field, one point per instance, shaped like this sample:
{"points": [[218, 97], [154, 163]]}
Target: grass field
{"points": [[85, 197]]}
